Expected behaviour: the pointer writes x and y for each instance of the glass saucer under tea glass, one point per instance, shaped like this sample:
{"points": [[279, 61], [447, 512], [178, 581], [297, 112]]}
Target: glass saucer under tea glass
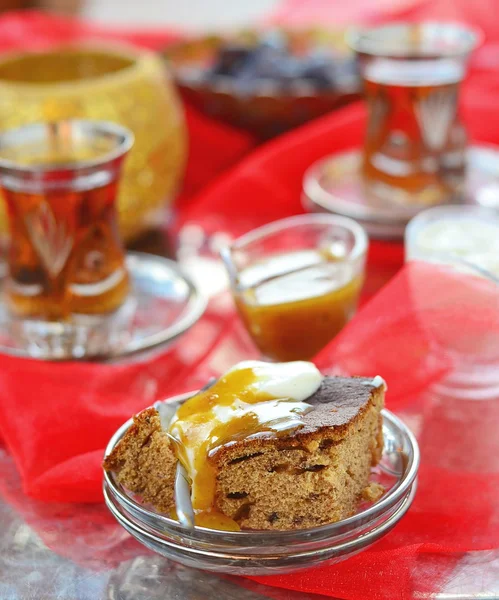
{"points": [[334, 185], [274, 552], [69, 291], [166, 304]]}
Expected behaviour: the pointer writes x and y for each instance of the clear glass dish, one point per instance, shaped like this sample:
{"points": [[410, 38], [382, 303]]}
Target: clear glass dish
{"points": [[272, 552], [296, 282], [453, 234]]}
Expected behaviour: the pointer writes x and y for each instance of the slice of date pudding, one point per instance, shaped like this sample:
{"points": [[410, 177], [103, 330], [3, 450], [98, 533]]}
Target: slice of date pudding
{"points": [[261, 474]]}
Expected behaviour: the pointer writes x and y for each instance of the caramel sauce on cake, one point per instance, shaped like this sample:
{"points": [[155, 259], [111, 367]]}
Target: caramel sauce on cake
{"points": [[253, 398]]}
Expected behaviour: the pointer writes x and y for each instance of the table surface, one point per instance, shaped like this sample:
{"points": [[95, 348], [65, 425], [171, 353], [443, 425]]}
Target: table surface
{"points": [[77, 552]]}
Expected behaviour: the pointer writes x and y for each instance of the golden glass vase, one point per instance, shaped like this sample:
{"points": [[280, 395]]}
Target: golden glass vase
{"points": [[112, 83]]}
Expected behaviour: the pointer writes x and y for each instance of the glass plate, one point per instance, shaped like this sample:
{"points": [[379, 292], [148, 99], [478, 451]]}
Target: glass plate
{"points": [[334, 184], [270, 552]]}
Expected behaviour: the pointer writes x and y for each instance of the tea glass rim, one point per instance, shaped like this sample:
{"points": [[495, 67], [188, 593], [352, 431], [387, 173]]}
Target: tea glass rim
{"points": [[394, 495], [363, 41], [360, 236], [124, 136]]}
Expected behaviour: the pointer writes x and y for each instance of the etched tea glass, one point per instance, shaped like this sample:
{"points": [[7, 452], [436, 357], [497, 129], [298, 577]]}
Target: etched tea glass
{"points": [[414, 151], [67, 291]]}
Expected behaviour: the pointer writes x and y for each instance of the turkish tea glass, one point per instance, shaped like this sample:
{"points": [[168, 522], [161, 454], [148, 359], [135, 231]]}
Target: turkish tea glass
{"points": [[296, 282], [414, 150], [67, 291]]}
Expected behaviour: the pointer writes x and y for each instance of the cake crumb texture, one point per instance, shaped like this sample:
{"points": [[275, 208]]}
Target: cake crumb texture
{"points": [[144, 461], [287, 484], [373, 492]]}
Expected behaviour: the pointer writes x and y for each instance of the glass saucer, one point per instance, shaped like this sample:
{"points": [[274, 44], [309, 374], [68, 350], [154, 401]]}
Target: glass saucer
{"points": [[273, 552], [334, 184], [163, 305]]}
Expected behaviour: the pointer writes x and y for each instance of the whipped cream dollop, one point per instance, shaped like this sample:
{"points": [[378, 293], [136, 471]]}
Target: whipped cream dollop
{"points": [[377, 381], [296, 380]]}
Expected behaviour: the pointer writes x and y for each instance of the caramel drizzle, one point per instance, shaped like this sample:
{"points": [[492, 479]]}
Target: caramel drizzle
{"points": [[233, 408]]}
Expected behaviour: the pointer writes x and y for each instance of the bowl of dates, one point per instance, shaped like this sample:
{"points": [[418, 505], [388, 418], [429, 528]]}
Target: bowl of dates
{"points": [[266, 82]]}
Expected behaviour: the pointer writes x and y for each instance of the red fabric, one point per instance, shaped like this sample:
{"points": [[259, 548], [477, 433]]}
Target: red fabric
{"points": [[56, 429], [408, 332], [414, 332], [296, 13], [213, 148], [33, 29]]}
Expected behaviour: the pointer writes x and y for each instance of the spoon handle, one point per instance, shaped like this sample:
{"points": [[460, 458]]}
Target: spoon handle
{"points": [[183, 502]]}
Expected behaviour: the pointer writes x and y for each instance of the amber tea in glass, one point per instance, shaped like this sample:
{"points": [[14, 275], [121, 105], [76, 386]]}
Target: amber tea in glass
{"points": [[66, 261], [296, 282], [414, 151]]}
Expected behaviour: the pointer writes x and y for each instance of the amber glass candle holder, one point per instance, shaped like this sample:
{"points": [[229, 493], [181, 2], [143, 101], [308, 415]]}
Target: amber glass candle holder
{"points": [[296, 282], [67, 290], [105, 81]]}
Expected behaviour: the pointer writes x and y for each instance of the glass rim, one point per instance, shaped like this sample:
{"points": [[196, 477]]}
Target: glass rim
{"points": [[364, 40], [116, 49], [453, 209], [446, 259], [453, 212], [360, 236], [294, 555], [394, 495], [91, 128]]}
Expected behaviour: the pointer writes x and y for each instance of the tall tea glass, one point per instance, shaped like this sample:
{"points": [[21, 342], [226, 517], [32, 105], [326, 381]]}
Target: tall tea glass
{"points": [[414, 150], [67, 288]]}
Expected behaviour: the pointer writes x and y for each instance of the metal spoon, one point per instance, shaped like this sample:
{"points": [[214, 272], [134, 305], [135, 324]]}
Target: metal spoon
{"points": [[183, 503]]}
